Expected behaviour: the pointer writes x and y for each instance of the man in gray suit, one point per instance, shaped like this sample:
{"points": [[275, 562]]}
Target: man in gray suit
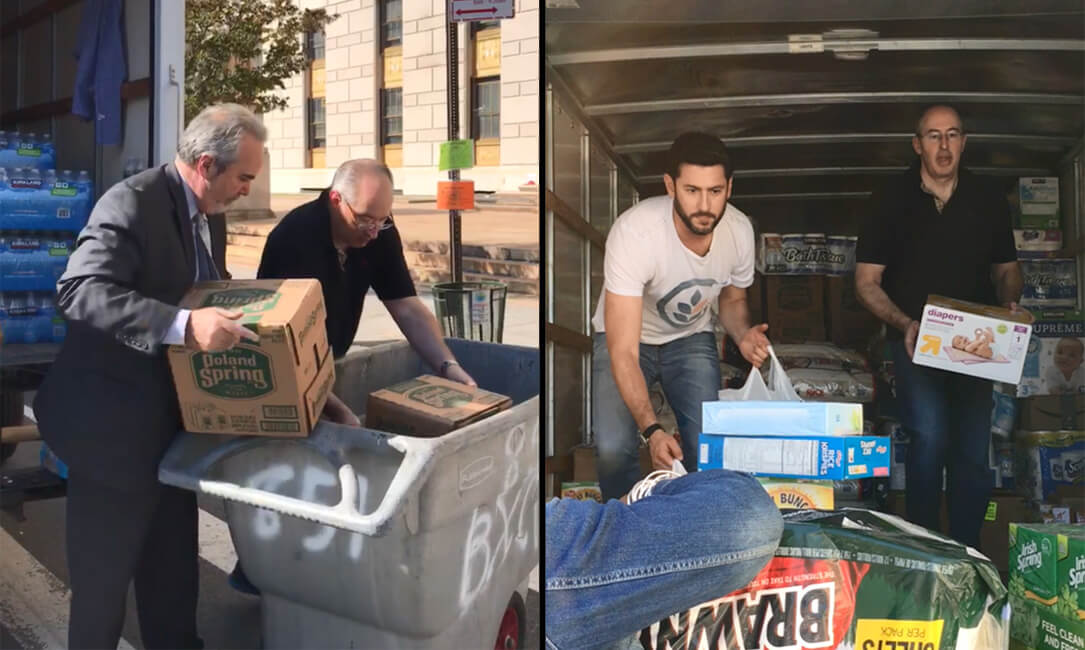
{"points": [[108, 407]]}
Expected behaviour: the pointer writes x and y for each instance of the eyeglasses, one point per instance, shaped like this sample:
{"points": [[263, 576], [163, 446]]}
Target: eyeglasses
{"points": [[361, 222], [951, 136]]}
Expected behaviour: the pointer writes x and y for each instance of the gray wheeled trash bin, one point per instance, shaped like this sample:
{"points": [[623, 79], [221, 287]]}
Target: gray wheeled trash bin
{"points": [[359, 538]]}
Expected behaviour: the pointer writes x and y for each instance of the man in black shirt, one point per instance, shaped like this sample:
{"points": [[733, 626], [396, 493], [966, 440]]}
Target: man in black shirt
{"points": [[347, 240], [938, 229]]}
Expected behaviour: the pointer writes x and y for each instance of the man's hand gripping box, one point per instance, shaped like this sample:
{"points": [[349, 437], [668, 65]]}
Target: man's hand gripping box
{"points": [[972, 339]]}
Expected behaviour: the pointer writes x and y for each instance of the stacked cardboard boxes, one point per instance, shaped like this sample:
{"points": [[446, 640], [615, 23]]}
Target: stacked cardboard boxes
{"points": [[798, 448]]}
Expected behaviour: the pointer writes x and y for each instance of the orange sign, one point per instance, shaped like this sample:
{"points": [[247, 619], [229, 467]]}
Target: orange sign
{"points": [[455, 195]]}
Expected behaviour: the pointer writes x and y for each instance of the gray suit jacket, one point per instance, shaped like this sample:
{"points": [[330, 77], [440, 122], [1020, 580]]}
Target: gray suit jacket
{"points": [[108, 407]]}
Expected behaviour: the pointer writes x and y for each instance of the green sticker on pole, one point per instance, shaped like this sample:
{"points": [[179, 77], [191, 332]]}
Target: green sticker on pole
{"points": [[457, 154]]}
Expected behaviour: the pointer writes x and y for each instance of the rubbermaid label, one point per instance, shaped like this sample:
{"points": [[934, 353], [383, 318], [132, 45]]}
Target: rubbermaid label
{"points": [[239, 373]]}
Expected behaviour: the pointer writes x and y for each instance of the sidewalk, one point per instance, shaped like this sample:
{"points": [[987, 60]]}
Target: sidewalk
{"points": [[500, 238]]}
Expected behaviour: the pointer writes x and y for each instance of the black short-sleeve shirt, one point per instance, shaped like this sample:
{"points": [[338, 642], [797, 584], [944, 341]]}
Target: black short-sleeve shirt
{"points": [[924, 251], [300, 246]]}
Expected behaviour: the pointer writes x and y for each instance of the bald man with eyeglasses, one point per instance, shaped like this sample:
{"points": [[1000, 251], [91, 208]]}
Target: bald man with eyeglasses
{"points": [[347, 239]]}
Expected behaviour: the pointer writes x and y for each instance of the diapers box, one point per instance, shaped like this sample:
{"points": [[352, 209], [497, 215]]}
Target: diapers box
{"points": [[972, 339], [1054, 362], [1039, 202]]}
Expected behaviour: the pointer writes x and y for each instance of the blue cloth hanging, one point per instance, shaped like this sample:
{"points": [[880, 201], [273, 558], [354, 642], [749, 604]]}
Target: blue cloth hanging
{"points": [[102, 68]]}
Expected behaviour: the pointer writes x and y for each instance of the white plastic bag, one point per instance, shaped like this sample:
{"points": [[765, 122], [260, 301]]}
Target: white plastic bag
{"points": [[777, 389]]}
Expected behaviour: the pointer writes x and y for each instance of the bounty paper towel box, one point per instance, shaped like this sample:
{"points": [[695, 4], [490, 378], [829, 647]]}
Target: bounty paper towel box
{"points": [[972, 339], [1055, 361], [275, 387]]}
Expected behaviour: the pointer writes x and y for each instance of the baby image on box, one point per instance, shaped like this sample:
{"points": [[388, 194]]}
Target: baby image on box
{"points": [[1066, 374]]}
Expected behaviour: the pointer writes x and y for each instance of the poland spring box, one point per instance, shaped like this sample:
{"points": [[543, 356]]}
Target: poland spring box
{"points": [[972, 339], [276, 387]]}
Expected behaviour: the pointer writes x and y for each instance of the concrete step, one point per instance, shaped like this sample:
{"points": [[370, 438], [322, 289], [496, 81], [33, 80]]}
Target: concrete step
{"points": [[426, 278], [504, 268], [494, 252]]}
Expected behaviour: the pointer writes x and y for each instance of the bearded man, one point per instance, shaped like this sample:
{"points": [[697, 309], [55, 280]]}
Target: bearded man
{"points": [[667, 259]]}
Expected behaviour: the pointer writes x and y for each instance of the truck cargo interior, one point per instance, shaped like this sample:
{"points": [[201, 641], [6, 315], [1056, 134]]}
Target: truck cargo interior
{"points": [[817, 103]]}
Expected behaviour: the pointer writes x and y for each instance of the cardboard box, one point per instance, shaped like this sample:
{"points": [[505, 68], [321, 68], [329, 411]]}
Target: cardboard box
{"points": [[276, 387], [799, 495], [1034, 627], [1034, 243], [813, 457], [782, 418], [1039, 202], [582, 491], [950, 328], [794, 306], [1047, 567], [1055, 361], [429, 406], [849, 322], [1053, 412]]}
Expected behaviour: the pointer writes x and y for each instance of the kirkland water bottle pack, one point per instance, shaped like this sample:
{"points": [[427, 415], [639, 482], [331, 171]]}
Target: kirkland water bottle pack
{"points": [[27, 150], [34, 199], [33, 260], [30, 317]]}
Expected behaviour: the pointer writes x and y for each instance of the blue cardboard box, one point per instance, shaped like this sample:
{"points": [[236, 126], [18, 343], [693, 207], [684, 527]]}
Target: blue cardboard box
{"points": [[816, 457]]}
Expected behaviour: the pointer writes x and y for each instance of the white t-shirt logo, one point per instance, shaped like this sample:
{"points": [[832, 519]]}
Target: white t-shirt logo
{"points": [[679, 308]]}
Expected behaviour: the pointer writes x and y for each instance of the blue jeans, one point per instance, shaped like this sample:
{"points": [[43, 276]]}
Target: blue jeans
{"points": [[612, 569], [689, 371], [948, 418]]}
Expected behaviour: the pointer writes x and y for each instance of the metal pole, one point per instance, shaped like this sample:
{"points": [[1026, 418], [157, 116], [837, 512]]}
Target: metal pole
{"points": [[455, 250]]}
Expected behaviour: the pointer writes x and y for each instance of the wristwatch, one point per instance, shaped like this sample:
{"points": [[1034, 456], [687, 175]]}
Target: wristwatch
{"points": [[647, 433], [446, 365]]}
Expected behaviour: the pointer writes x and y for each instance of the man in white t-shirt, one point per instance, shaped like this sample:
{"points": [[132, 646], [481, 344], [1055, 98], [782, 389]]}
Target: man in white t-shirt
{"points": [[667, 259]]}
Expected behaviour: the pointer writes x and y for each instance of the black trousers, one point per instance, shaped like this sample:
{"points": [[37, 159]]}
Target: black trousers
{"points": [[147, 533]]}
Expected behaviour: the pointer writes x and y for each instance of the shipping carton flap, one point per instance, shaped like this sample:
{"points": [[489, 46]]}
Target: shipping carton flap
{"points": [[442, 400], [976, 308]]}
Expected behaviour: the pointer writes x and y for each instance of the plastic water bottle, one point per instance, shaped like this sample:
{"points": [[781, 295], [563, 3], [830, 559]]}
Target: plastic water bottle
{"points": [[66, 176], [3, 181], [49, 178], [83, 181]]}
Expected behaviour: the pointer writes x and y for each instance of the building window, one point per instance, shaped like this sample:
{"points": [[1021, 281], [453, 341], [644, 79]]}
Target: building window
{"points": [[392, 116], [314, 45], [391, 23], [316, 123], [482, 25], [486, 108]]}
